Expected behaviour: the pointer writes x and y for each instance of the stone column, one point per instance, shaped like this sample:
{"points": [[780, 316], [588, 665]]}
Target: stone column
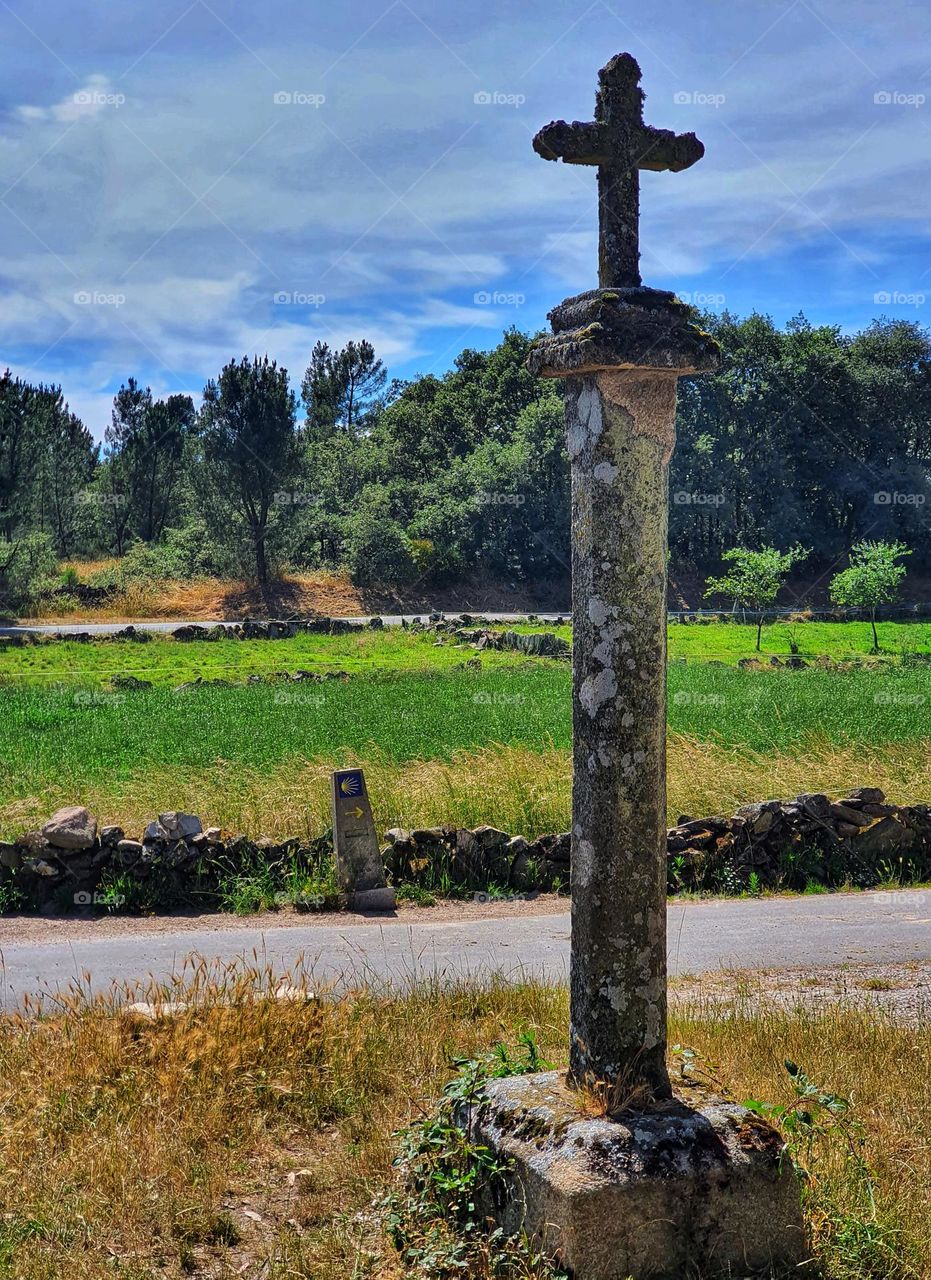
{"points": [[621, 353]]}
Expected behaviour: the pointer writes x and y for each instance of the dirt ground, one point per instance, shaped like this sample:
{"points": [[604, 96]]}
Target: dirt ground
{"points": [[327, 594], [47, 929]]}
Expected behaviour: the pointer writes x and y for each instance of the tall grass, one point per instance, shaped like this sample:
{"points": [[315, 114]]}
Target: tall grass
{"points": [[255, 1136], [516, 788], [206, 598]]}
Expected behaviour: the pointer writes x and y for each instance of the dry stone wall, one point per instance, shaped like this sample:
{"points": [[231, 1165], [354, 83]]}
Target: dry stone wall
{"points": [[860, 838]]}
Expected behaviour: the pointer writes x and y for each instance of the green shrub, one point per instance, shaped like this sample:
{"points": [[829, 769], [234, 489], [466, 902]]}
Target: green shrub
{"points": [[181, 555], [379, 552], [27, 571]]}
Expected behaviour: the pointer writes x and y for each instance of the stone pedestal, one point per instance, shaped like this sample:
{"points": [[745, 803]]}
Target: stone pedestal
{"points": [[693, 1185], [621, 352]]}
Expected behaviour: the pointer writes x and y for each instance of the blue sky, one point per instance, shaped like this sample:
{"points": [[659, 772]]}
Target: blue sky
{"points": [[184, 182]]}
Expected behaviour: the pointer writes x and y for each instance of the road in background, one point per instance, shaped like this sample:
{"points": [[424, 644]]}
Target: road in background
{"points": [[735, 934]]}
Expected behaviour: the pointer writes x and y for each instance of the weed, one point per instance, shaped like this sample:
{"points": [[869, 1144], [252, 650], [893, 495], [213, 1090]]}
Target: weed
{"points": [[821, 1128], [437, 1221], [415, 893]]}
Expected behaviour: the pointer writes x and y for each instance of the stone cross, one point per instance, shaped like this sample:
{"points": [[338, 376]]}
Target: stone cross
{"points": [[621, 349], [660, 1185], [620, 144]]}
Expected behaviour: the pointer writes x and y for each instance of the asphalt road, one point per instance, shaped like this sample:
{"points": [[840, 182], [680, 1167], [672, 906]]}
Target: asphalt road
{"points": [[750, 935]]}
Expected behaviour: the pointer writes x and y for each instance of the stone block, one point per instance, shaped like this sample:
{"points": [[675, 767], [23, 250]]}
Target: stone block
{"points": [[692, 1185], [381, 899], [180, 826], [71, 828], [622, 329]]}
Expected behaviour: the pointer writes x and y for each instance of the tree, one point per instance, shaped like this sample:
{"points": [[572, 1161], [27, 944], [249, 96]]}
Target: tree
{"points": [[755, 579], [805, 434], [872, 578], [19, 454], [341, 388], [26, 565], [378, 551], [67, 461], [320, 392], [166, 425], [123, 451], [251, 456], [144, 447]]}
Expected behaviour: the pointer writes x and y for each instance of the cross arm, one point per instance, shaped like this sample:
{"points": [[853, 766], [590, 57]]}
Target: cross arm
{"points": [[659, 149], [574, 143]]}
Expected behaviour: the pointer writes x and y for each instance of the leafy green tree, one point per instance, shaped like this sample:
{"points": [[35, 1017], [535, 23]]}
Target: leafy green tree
{"points": [[46, 456], [124, 454], [26, 566], [167, 425], [251, 456], [320, 392], [144, 445], [475, 463], [67, 463], [755, 579], [805, 434], [872, 578]]}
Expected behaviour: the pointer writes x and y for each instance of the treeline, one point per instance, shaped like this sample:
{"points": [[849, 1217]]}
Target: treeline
{"points": [[806, 436]]}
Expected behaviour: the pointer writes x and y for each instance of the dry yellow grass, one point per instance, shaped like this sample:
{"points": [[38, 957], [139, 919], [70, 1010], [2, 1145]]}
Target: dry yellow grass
{"points": [[515, 788], [85, 568], [137, 1150], [211, 598]]}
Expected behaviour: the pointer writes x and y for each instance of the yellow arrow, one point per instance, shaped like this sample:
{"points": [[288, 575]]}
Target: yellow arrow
{"points": [[353, 813]]}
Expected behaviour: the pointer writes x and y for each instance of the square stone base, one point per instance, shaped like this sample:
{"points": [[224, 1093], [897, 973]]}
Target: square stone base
{"points": [[381, 899], [693, 1186]]}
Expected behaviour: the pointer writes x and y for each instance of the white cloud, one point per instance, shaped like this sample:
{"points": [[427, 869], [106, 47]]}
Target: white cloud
{"points": [[398, 198], [95, 95]]}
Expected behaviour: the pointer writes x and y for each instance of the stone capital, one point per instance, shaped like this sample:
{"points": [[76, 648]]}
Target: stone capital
{"points": [[623, 329]]}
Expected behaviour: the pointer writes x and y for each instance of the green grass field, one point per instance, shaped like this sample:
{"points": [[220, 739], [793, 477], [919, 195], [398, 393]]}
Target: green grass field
{"points": [[408, 706], [408, 715], [167, 662], [728, 642]]}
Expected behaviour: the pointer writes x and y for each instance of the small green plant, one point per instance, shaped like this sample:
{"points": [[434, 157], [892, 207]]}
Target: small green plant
{"points": [[793, 636], [11, 899], [821, 1130], [312, 889], [122, 894], [436, 1222], [813, 1113], [253, 889], [726, 880], [415, 893]]}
